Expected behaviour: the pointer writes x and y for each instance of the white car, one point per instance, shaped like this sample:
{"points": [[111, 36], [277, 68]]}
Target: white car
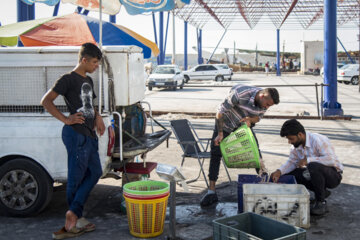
{"points": [[349, 74], [207, 72], [166, 76], [339, 65], [225, 66]]}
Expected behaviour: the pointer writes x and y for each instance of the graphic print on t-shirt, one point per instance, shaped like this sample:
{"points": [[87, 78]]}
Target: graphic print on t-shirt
{"points": [[87, 104]]}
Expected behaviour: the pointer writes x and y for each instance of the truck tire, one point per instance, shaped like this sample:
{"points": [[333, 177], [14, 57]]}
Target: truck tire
{"points": [[150, 88], [26, 188]]}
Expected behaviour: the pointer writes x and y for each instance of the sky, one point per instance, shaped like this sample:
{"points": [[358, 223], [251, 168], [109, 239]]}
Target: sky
{"points": [[290, 40]]}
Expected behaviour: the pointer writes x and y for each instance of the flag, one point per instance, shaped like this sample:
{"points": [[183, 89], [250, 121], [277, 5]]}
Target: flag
{"points": [[111, 7], [134, 7]]}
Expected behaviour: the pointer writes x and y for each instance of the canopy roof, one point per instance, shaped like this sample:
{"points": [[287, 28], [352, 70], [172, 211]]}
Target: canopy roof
{"points": [[247, 14]]}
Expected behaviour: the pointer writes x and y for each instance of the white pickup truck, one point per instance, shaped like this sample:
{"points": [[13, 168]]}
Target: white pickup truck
{"points": [[32, 155]]}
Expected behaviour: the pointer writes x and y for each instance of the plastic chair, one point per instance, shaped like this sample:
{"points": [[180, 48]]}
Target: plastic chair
{"points": [[192, 145]]}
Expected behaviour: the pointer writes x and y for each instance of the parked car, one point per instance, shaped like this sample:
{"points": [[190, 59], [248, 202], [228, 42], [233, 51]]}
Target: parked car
{"points": [[349, 74], [166, 76], [207, 72], [225, 66], [339, 65]]}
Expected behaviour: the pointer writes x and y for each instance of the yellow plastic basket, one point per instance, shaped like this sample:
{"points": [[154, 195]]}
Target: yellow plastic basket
{"points": [[146, 217], [240, 150]]}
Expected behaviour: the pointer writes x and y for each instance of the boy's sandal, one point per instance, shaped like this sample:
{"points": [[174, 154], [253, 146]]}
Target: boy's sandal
{"points": [[83, 223], [63, 233]]}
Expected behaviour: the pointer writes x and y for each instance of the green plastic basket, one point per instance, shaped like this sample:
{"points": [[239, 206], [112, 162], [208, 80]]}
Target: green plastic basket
{"points": [[146, 188], [240, 150]]}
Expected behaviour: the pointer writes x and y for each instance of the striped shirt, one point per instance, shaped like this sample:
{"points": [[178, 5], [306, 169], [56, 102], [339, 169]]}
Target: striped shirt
{"points": [[240, 103], [317, 149]]}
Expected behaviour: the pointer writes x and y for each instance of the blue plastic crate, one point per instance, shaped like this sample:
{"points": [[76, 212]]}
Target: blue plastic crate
{"points": [[248, 178], [251, 226]]}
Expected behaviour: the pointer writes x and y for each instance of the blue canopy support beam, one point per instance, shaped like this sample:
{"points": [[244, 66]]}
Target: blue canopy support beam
{"points": [[216, 46], [331, 106], [24, 13], [155, 36], [278, 73], [161, 37], [199, 46], [56, 9], [112, 18], [352, 61], [185, 45], [166, 34]]}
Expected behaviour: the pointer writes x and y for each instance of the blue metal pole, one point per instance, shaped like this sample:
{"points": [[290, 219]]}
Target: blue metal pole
{"points": [[112, 18], [331, 106], [155, 34], [166, 33], [56, 9], [352, 61], [24, 12], [278, 73], [199, 44], [185, 46], [161, 37]]}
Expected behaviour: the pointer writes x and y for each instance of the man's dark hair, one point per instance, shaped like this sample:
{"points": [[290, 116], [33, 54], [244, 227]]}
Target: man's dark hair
{"points": [[291, 127], [274, 94], [89, 50]]}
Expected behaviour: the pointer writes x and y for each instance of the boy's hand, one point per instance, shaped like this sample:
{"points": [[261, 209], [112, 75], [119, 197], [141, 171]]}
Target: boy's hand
{"points": [[99, 124], [76, 118]]}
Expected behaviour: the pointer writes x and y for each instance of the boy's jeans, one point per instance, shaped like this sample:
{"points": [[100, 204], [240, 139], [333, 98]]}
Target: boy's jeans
{"points": [[84, 168]]}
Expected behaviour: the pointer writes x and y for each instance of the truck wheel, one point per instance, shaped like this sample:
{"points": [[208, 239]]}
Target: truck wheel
{"points": [[186, 79], [26, 189], [346, 82], [150, 88], [355, 80]]}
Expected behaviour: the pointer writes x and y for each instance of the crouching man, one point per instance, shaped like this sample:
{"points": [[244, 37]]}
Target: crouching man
{"points": [[312, 161]]}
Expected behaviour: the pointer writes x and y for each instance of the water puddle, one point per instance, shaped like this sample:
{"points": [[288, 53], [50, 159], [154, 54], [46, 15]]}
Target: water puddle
{"points": [[186, 214]]}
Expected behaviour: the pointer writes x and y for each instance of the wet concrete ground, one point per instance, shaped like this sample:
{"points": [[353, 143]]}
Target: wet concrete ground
{"points": [[103, 206]]}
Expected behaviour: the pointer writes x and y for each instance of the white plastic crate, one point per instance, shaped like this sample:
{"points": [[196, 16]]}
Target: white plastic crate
{"points": [[287, 203]]}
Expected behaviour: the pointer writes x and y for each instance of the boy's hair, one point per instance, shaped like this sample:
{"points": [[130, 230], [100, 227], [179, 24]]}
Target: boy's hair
{"points": [[291, 127], [89, 50], [274, 94]]}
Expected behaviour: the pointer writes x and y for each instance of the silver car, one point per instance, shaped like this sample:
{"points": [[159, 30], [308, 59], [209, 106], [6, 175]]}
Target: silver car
{"points": [[166, 76]]}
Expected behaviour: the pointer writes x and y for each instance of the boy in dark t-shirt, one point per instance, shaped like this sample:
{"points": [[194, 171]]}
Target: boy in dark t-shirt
{"points": [[79, 137]]}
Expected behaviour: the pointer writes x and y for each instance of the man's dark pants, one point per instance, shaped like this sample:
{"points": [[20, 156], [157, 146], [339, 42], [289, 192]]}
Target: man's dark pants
{"points": [[322, 177], [216, 155]]}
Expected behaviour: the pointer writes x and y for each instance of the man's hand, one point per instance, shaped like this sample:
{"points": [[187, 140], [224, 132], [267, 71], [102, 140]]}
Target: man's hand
{"points": [[246, 120], [76, 118], [99, 124], [218, 139], [275, 176], [302, 163]]}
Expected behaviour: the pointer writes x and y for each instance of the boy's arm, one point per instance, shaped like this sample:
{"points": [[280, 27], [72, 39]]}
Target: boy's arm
{"points": [[99, 123], [48, 102]]}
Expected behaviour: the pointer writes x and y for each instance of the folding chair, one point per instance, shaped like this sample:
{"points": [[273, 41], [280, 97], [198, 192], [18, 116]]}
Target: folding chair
{"points": [[189, 142]]}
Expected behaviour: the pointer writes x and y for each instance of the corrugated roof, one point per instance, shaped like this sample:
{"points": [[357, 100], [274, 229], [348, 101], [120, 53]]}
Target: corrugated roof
{"points": [[250, 14]]}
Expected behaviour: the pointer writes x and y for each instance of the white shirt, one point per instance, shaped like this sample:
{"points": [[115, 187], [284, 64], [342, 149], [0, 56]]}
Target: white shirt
{"points": [[317, 149]]}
